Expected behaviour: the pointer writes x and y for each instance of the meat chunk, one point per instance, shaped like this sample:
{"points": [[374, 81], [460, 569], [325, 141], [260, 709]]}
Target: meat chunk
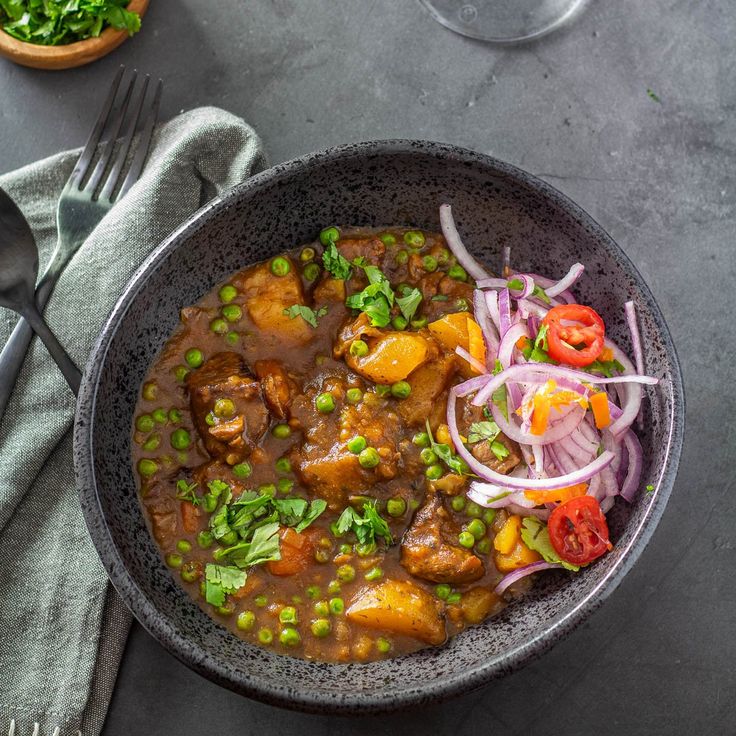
{"points": [[483, 453], [372, 249], [230, 430], [278, 387], [267, 296], [427, 553], [428, 383], [162, 510]]}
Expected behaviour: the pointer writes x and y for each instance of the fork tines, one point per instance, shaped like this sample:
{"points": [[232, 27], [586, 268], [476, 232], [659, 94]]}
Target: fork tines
{"points": [[105, 147]]}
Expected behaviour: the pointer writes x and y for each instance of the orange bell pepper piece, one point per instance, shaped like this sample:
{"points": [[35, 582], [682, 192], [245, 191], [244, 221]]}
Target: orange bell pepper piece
{"points": [[601, 412], [559, 495]]}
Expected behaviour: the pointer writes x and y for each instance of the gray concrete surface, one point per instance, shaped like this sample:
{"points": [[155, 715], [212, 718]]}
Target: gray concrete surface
{"points": [[572, 108]]}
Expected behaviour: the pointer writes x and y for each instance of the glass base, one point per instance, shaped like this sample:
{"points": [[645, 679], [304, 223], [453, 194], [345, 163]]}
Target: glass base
{"points": [[503, 21]]}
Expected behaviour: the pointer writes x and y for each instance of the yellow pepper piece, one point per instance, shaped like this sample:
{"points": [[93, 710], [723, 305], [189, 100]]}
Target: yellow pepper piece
{"points": [[476, 344], [520, 556], [509, 535]]}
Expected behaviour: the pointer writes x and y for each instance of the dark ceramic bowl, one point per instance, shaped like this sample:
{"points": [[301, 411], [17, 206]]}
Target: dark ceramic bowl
{"points": [[379, 183]]}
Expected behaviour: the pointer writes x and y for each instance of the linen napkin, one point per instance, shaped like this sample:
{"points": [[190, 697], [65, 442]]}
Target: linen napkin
{"points": [[62, 626]]}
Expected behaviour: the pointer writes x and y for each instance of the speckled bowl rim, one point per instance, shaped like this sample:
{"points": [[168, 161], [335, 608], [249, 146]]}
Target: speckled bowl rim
{"points": [[200, 661]]}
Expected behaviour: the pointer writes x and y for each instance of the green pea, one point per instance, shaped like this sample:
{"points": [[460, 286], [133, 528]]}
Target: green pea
{"points": [[160, 415], [353, 395], [442, 591], [321, 555], [232, 338], [401, 389], [150, 390], [306, 255], [224, 408], [283, 465], [325, 403], [242, 470], [284, 485], [321, 627], [420, 439], [420, 322], [245, 620], [184, 545], [428, 456], [180, 372], [322, 608], [297, 600], [219, 326], [369, 458], [477, 528], [399, 322], [358, 348], [458, 503], [312, 271], [337, 605], [375, 573], [227, 293], [226, 609], [402, 257], [346, 573], [484, 546], [174, 560], [209, 503], [267, 489], [333, 587], [152, 442], [261, 601], [383, 390], [473, 510], [174, 416], [194, 357], [366, 550], [457, 272], [313, 591], [434, 472], [232, 312], [329, 235], [280, 266], [489, 515], [290, 637], [466, 539], [287, 615], [443, 256], [454, 598], [191, 572], [396, 506], [345, 549], [357, 444], [462, 305], [429, 263], [281, 431], [383, 645], [414, 238], [144, 423], [265, 635], [147, 467], [387, 239], [180, 439], [205, 539]]}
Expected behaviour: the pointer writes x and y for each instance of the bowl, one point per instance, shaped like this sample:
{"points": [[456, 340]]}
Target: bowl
{"points": [[372, 184], [69, 55]]}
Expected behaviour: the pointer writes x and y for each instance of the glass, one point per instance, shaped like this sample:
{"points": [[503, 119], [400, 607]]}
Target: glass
{"points": [[503, 21]]}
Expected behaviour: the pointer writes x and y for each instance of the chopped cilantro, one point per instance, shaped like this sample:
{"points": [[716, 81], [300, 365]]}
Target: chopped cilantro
{"points": [[409, 303], [650, 488], [316, 507], [263, 547], [366, 527], [306, 313], [376, 299], [220, 581], [499, 450], [540, 293], [448, 457], [499, 396], [483, 431], [653, 95], [185, 492], [336, 263], [535, 535], [607, 367]]}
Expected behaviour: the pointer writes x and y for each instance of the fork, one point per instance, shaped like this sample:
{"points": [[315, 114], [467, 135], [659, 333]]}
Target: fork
{"points": [[86, 198]]}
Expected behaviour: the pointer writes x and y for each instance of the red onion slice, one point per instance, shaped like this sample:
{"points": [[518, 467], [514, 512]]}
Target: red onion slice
{"points": [[455, 244], [635, 336], [636, 461], [509, 341], [504, 312], [575, 272], [465, 355], [490, 334], [522, 572]]}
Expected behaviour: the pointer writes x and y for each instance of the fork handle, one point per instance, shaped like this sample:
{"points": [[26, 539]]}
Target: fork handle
{"points": [[14, 352]]}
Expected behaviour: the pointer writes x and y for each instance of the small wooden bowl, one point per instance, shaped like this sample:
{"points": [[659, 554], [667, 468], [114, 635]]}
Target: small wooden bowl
{"points": [[71, 54]]}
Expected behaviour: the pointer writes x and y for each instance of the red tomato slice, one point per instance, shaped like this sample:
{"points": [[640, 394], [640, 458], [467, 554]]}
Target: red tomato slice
{"points": [[578, 530], [577, 344]]}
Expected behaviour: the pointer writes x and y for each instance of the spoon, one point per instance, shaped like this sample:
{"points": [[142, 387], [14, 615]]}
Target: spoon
{"points": [[18, 273]]}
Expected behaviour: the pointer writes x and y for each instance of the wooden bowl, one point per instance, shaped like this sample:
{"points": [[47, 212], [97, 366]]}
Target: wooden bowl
{"points": [[71, 54]]}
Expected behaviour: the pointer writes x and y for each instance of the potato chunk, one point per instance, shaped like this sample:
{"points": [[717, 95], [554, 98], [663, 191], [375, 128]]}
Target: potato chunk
{"points": [[401, 608]]}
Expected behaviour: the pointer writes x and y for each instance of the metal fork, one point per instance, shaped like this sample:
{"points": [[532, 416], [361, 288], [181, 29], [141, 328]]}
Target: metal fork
{"points": [[81, 207]]}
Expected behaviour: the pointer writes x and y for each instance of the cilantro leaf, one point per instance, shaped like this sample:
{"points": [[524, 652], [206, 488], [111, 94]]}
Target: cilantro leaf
{"points": [[499, 450], [409, 303], [448, 457], [535, 535], [291, 510], [540, 293], [607, 367], [653, 95], [483, 431], [499, 396], [650, 488], [336, 263], [376, 299], [263, 547], [315, 509], [366, 527], [306, 313], [221, 580], [538, 353], [184, 490]]}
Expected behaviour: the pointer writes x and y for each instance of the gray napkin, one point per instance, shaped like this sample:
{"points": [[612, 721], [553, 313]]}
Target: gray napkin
{"points": [[62, 627]]}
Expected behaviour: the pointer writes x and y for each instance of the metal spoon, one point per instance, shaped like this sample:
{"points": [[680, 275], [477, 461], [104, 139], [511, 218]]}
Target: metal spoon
{"points": [[18, 273]]}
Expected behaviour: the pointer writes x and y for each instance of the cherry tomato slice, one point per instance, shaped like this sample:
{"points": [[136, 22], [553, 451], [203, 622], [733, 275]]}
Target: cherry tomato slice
{"points": [[578, 530], [576, 344]]}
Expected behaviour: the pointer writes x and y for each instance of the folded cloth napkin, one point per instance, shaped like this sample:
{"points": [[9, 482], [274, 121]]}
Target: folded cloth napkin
{"points": [[62, 626]]}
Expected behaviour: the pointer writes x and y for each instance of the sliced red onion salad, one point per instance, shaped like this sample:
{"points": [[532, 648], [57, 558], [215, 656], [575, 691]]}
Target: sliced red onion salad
{"points": [[570, 449]]}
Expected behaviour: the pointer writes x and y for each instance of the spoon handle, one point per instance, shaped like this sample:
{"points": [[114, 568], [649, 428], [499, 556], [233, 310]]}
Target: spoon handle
{"points": [[60, 356]]}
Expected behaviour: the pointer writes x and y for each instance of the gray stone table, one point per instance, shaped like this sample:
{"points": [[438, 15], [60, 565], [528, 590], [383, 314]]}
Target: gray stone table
{"points": [[573, 108]]}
